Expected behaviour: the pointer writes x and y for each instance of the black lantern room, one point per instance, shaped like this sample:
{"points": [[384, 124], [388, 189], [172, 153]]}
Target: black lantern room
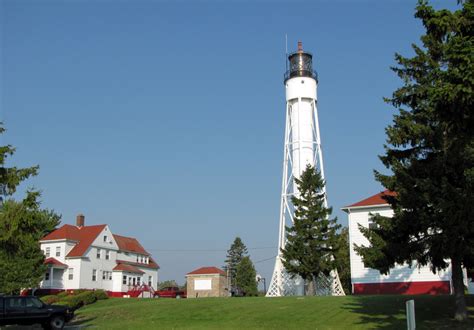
{"points": [[301, 64]]}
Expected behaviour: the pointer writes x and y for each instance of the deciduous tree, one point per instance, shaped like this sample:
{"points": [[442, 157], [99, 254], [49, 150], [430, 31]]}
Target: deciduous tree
{"points": [[430, 152], [22, 224]]}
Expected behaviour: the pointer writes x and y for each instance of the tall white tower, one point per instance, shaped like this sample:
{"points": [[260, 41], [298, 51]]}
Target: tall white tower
{"points": [[302, 147]]}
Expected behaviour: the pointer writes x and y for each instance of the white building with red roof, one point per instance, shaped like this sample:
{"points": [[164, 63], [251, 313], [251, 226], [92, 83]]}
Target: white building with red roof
{"points": [[402, 279], [92, 257], [207, 282]]}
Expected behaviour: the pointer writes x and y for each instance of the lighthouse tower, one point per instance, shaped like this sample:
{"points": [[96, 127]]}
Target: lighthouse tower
{"points": [[302, 147]]}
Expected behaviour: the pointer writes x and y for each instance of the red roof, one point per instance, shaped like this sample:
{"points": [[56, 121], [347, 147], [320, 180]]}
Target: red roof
{"points": [[151, 264], [374, 200], [207, 271], [128, 268], [54, 262], [129, 244], [83, 235]]}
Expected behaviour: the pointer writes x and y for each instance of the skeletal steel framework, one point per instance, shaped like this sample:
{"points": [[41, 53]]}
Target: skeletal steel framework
{"points": [[302, 146]]}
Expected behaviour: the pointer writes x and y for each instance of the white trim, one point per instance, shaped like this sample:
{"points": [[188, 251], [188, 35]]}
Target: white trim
{"points": [[364, 207]]}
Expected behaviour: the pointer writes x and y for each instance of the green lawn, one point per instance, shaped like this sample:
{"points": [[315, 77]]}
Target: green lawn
{"points": [[351, 312]]}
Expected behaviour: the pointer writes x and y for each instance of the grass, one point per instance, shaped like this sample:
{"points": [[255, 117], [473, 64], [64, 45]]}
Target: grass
{"points": [[351, 312]]}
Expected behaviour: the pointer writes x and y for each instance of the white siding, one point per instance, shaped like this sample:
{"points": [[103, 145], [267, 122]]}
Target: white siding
{"points": [[401, 273], [89, 262], [83, 267]]}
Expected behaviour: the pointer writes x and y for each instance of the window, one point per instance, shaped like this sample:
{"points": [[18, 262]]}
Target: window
{"points": [[150, 278], [107, 255], [32, 302], [124, 279], [99, 252], [70, 272], [137, 258], [105, 238], [46, 276], [48, 252], [58, 251], [94, 275], [106, 275], [14, 303], [372, 224], [129, 280], [134, 281]]}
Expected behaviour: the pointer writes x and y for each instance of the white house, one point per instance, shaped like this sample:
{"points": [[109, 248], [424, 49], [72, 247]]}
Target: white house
{"points": [[92, 257], [402, 279]]}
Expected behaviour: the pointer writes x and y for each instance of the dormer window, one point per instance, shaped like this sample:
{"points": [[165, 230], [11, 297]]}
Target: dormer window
{"points": [[58, 251], [47, 252]]}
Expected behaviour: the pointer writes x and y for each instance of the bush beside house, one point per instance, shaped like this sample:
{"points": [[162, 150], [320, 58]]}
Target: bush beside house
{"points": [[76, 299]]}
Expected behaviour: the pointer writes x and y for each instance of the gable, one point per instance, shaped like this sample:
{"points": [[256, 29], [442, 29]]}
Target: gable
{"points": [[84, 236]]}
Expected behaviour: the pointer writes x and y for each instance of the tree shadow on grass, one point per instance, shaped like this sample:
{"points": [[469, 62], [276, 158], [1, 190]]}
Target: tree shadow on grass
{"points": [[76, 323], [388, 312]]}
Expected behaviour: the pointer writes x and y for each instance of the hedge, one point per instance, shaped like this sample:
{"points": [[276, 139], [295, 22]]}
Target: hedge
{"points": [[62, 294], [101, 295], [71, 301], [51, 299], [87, 297]]}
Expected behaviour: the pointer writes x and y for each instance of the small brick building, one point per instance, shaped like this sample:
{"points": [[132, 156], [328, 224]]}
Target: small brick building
{"points": [[207, 282]]}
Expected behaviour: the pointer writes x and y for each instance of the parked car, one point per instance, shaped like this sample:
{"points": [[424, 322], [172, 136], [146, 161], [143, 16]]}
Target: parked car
{"points": [[170, 292], [30, 310]]}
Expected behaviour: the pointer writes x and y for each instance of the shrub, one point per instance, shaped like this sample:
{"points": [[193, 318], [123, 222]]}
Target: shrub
{"points": [[71, 301], [100, 295], [62, 294], [50, 299], [87, 297], [78, 291]]}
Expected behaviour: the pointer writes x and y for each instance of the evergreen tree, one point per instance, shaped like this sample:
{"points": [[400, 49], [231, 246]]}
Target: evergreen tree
{"points": [[312, 240], [246, 277], [430, 151], [343, 260], [22, 224], [235, 254]]}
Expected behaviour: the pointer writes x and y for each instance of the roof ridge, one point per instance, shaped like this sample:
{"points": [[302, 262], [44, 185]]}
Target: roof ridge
{"points": [[376, 199]]}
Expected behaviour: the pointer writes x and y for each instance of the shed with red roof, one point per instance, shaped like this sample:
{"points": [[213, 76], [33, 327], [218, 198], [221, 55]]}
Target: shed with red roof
{"points": [[207, 282]]}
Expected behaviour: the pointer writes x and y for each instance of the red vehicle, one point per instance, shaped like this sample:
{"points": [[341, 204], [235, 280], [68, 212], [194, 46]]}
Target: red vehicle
{"points": [[170, 292]]}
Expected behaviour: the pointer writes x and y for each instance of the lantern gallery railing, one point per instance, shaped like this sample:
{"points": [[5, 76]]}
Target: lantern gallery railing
{"points": [[300, 73]]}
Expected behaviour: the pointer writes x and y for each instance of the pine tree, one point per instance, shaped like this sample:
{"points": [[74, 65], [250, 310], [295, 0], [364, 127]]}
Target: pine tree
{"points": [[430, 152], [312, 240], [246, 277], [22, 224], [343, 260], [235, 254]]}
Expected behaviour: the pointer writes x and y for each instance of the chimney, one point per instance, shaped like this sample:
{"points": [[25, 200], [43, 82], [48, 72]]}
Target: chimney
{"points": [[80, 219]]}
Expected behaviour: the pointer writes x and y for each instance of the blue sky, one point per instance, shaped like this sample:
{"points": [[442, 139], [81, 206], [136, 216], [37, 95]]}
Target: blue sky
{"points": [[165, 119]]}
